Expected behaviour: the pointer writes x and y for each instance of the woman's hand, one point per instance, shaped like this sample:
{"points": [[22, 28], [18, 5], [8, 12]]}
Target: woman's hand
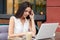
{"points": [[32, 15]]}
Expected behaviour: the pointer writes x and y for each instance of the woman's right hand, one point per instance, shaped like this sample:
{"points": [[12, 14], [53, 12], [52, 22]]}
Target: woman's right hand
{"points": [[32, 15]]}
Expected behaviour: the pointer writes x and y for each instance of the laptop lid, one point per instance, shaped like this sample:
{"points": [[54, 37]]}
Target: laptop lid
{"points": [[47, 30]]}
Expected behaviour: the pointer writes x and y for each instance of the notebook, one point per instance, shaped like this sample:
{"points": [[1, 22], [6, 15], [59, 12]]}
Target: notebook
{"points": [[47, 30]]}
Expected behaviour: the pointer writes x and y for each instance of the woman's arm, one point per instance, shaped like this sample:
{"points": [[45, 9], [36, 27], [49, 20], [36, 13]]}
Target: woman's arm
{"points": [[32, 24], [32, 27], [11, 29]]}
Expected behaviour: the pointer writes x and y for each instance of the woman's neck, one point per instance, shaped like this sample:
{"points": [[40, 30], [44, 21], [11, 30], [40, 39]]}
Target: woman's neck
{"points": [[22, 18]]}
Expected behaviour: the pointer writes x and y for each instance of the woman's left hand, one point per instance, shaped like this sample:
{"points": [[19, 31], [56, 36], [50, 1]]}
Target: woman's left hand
{"points": [[32, 15]]}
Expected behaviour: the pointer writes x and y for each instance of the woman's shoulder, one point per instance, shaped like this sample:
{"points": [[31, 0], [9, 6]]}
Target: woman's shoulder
{"points": [[12, 17]]}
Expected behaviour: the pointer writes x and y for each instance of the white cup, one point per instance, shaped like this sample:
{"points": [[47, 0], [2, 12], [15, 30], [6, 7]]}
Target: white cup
{"points": [[28, 36], [17, 38]]}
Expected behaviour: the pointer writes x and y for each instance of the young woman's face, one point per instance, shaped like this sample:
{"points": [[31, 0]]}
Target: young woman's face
{"points": [[27, 12]]}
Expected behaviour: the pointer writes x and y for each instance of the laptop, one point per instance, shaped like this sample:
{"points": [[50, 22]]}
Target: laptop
{"points": [[47, 30]]}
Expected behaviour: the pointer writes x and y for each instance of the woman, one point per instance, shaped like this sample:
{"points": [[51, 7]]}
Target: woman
{"points": [[22, 22]]}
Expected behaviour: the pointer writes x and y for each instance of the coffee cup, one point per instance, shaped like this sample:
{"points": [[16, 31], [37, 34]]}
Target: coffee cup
{"points": [[28, 36]]}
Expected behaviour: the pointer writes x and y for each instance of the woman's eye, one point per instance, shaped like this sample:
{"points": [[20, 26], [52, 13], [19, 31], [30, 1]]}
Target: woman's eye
{"points": [[26, 11]]}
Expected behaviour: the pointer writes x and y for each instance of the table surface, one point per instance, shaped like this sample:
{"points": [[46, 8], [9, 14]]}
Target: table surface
{"points": [[57, 37]]}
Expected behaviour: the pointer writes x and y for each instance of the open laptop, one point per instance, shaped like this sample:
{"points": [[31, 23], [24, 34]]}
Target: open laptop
{"points": [[47, 30]]}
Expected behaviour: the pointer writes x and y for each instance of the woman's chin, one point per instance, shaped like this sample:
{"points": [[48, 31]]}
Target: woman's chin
{"points": [[25, 16]]}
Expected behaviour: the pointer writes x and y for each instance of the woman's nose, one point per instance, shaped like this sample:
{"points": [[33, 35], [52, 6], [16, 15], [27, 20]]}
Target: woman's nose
{"points": [[27, 13]]}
